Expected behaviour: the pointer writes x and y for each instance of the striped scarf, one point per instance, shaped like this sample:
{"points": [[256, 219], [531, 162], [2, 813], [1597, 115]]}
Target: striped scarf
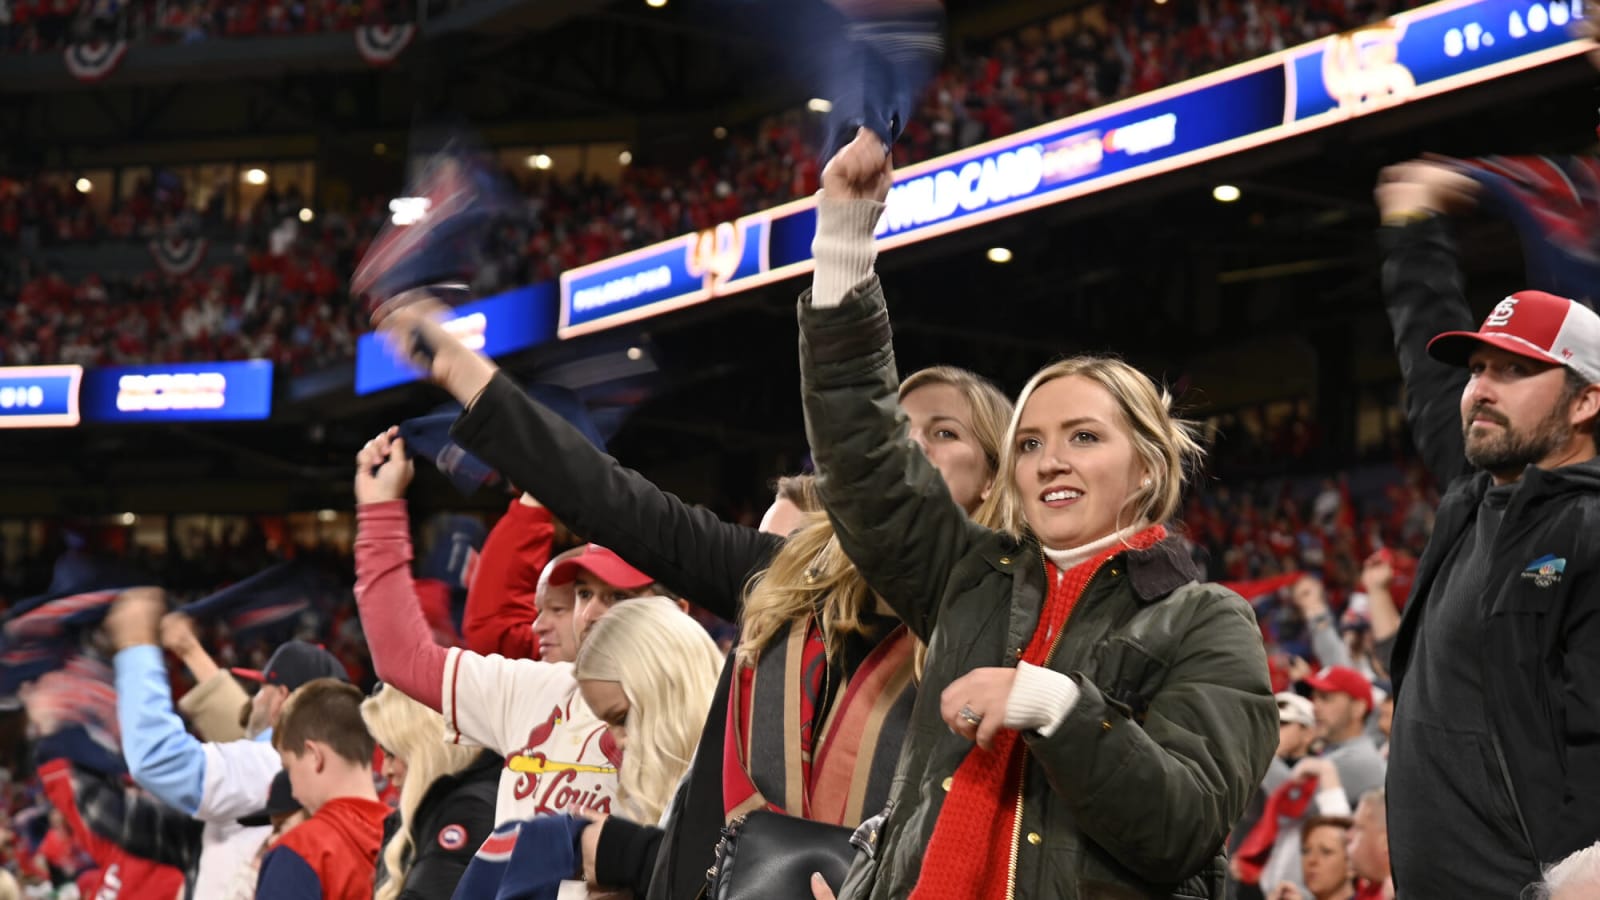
{"points": [[779, 756]]}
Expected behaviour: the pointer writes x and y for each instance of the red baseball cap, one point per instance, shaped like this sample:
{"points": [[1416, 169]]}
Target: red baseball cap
{"points": [[604, 565], [1536, 325], [1342, 680]]}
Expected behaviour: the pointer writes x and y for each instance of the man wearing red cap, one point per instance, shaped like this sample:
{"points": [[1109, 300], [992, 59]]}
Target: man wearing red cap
{"points": [[1494, 757], [1341, 700], [558, 756]]}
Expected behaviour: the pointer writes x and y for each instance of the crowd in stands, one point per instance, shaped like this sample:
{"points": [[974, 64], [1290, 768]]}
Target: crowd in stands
{"points": [[1242, 532], [32, 26], [290, 305]]}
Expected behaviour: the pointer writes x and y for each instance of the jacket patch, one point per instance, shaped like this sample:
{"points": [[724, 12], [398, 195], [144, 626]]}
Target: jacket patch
{"points": [[452, 837], [1545, 571]]}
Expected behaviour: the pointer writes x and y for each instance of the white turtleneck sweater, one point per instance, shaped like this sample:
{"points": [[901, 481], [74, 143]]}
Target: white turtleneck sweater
{"points": [[1041, 698]]}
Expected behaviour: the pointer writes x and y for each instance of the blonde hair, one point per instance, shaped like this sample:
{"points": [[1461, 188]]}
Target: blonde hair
{"points": [[810, 573], [1165, 446], [414, 733], [667, 667], [8, 886]]}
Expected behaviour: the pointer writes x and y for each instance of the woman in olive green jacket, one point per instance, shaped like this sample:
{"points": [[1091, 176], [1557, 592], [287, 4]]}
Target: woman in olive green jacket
{"points": [[1091, 719]]}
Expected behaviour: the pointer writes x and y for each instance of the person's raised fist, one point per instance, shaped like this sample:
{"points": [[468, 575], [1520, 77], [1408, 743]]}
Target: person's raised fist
{"points": [[1424, 186], [861, 171], [135, 617]]}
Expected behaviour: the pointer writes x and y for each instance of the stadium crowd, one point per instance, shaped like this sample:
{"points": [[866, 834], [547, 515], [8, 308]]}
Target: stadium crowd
{"points": [[32, 26], [288, 305], [1032, 620]]}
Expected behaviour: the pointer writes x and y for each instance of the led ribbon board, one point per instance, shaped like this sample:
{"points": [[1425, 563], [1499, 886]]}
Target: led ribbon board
{"points": [[1414, 55], [179, 392], [39, 396], [495, 326]]}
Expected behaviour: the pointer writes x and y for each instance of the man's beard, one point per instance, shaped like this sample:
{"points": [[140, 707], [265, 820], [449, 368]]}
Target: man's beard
{"points": [[1509, 451]]}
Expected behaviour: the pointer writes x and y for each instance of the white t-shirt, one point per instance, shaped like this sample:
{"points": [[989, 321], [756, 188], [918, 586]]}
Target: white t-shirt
{"points": [[238, 778], [559, 757]]}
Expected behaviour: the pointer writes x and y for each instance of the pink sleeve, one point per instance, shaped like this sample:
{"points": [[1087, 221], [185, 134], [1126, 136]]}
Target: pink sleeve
{"points": [[403, 651]]}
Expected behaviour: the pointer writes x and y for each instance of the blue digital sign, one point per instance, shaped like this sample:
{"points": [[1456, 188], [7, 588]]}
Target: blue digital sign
{"points": [[179, 392], [681, 271], [494, 326], [1410, 56], [39, 396]]}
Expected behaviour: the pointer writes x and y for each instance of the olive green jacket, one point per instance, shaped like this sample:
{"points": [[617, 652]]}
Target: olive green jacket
{"points": [[1135, 791]]}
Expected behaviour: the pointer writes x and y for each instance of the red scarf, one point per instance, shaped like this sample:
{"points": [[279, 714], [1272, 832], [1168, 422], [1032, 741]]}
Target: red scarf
{"points": [[1290, 801], [983, 799]]}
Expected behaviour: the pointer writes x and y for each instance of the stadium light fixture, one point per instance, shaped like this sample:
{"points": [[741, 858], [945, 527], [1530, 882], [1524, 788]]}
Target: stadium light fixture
{"points": [[256, 176], [326, 515], [539, 161], [306, 214], [819, 105], [635, 354], [128, 518], [655, 4], [1225, 193], [999, 255], [625, 157], [84, 186]]}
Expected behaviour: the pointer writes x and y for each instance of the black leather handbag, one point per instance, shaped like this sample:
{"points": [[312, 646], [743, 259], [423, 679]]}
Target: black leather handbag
{"points": [[770, 856]]}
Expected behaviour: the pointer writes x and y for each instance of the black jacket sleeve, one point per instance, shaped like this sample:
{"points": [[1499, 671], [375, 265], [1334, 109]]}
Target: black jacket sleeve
{"points": [[444, 844], [1423, 294], [626, 855], [686, 548]]}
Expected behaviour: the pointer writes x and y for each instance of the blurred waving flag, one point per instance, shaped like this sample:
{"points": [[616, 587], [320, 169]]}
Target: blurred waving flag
{"points": [[433, 241], [267, 603], [81, 692], [1554, 203]]}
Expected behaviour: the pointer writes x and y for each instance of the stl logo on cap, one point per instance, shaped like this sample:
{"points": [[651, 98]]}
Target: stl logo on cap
{"points": [[1500, 316]]}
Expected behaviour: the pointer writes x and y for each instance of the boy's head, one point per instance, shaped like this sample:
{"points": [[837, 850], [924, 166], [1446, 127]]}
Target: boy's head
{"points": [[324, 743]]}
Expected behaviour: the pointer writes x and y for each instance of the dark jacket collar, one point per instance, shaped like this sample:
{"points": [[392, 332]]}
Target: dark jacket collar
{"points": [[486, 766], [1153, 573]]}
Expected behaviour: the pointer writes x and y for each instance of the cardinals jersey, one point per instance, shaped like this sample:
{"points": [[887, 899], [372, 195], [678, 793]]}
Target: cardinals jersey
{"points": [[559, 758]]}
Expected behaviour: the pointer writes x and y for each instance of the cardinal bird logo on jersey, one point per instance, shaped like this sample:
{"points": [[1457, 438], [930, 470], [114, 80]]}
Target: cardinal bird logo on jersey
{"points": [[536, 738]]}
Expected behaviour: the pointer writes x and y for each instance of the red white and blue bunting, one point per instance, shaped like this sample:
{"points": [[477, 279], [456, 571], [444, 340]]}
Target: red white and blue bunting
{"points": [[93, 61], [178, 255], [380, 45]]}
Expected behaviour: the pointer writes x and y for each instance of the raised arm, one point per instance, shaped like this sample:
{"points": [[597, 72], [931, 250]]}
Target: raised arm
{"points": [[1205, 742], [500, 599], [403, 651], [1424, 296], [213, 704], [162, 756], [890, 507], [686, 548]]}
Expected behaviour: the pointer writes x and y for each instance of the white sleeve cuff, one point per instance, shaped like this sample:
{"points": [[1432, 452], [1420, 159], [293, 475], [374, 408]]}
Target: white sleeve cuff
{"points": [[1040, 699], [1332, 802], [843, 248]]}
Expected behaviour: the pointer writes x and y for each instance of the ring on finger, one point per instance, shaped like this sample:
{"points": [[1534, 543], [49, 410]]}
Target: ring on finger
{"points": [[969, 716]]}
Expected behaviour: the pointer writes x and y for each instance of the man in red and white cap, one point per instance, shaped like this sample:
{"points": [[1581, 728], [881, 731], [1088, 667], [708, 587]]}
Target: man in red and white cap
{"points": [[600, 580], [1341, 700], [1494, 756], [559, 757]]}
